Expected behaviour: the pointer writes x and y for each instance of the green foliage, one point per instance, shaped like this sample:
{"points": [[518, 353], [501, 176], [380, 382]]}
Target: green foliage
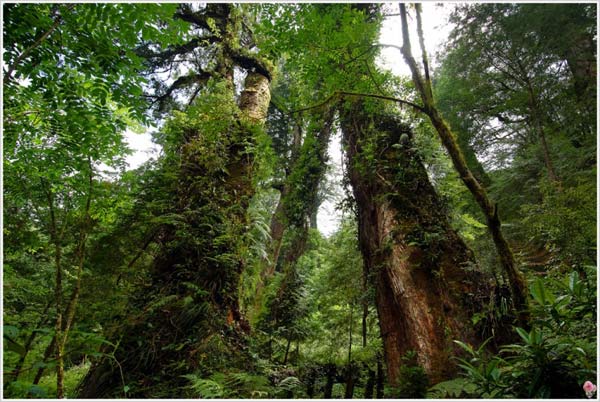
{"points": [[565, 222], [412, 378], [230, 385], [171, 248], [551, 360], [452, 389], [487, 379]]}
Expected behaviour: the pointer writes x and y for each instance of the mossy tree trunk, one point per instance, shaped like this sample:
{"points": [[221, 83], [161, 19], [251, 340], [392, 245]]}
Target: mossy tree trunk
{"points": [[299, 198], [425, 277], [188, 311], [423, 85]]}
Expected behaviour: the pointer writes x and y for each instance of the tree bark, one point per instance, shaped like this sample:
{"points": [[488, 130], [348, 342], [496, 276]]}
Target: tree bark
{"points": [[350, 381], [516, 279], [287, 351], [536, 115], [424, 275], [28, 344], [331, 374], [365, 308]]}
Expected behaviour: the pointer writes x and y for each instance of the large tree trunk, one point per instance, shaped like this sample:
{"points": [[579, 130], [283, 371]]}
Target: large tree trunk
{"points": [[423, 85], [424, 275], [192, 297]]}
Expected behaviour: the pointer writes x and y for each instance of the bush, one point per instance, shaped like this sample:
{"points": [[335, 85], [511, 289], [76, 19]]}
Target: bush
{"points": [[552, 360]]}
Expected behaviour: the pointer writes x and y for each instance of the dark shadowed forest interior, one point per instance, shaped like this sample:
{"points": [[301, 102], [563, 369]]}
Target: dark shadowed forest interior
{"points": [[456, 257]]}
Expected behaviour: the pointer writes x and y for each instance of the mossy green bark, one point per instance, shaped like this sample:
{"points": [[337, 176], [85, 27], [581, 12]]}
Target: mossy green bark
{"points": [[426, 280]]}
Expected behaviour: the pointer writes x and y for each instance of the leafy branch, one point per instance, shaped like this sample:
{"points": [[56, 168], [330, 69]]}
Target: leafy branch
{"points": [[57, 20]]}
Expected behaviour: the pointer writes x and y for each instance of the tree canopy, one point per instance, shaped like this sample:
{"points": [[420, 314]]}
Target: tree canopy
{"points": [[464, 262]]}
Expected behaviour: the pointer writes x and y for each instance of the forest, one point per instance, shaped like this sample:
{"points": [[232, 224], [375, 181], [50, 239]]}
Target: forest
{"points": [[463, 260]]}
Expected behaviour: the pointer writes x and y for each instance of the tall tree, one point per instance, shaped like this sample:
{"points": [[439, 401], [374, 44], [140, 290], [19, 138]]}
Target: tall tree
{"points": [[422, 271], [193, 284], [71, 89], [422, 82]]}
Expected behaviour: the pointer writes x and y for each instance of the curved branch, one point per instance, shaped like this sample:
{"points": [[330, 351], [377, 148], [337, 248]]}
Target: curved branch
{"points": [[183, 82], [358, 94], [176, 50]]}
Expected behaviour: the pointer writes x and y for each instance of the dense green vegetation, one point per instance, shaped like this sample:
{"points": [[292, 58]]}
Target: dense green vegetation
{"points": [[465, 261]]}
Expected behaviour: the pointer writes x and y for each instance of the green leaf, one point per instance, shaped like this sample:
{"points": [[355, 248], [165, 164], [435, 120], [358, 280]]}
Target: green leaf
{"points": [[539, 293], [523, 334], [14, 346], [10, 331], [465, 346], [472, 221]]}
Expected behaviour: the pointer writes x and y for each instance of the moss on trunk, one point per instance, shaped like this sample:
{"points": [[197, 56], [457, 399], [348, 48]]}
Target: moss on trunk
{"points": [[427, 283]]}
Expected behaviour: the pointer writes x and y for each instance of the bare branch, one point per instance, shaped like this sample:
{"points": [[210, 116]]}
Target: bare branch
{"points": [[423, 50], [341, 94], [176, 50]]}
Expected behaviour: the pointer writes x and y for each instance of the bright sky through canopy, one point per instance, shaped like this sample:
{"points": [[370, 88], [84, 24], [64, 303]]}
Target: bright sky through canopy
{"points": [[435, 29]]}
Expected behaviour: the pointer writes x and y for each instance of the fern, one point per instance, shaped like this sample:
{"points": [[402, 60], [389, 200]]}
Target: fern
{"points": [[163, 301], [289, 385], [456, 388], [204, 387], [246, 385]]}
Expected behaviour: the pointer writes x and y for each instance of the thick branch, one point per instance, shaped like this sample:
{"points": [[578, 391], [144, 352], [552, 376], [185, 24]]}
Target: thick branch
{"points": [[423, 50], [250, 62], [200, 18], [185, 13], [183, 82], [176, 50], [406, 51]]}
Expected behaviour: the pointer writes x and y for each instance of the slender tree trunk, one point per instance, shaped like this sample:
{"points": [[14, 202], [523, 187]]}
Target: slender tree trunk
{"points": [[350, 381], [310, 385], [370, 384], [350, 338], [293, 217], [59, 324], [270, 346], [313, 218], [71, 306], [365, 311], [489, 209], [380, 378], [47, 354], [424, 293], [539, 128], [56, 238], [331, 373], [43, 320], [287, 351], [52, 345]]}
